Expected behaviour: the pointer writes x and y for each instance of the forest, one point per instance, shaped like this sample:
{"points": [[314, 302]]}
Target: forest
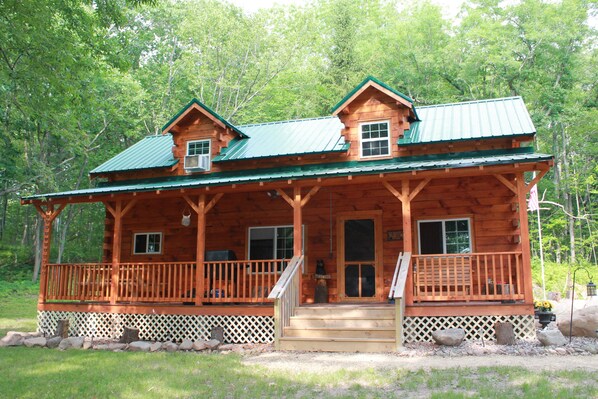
{"points": [[80, 80]]}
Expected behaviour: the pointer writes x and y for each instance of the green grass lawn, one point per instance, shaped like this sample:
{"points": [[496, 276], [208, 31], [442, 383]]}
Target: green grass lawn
{"points": [[18, 306], [50, 373], [45, 373]]}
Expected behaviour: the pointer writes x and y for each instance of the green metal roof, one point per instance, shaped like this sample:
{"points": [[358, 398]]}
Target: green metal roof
{"points": [[209, 110], [430, 162], [149, 153], [297, 137], [470, 120], [373, 79]]}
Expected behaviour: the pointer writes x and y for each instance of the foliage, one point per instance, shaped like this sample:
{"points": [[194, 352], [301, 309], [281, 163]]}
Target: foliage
{"points": [[82, 80]]}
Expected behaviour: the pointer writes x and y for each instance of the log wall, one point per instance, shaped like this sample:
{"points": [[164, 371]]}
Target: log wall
{"points": [[490, 205]]}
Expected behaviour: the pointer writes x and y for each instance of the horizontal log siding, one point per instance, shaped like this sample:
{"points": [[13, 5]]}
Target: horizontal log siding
{"points": [[489, 204]]}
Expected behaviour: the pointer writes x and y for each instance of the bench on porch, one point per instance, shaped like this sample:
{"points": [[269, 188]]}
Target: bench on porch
{"points": [[443, 277]]}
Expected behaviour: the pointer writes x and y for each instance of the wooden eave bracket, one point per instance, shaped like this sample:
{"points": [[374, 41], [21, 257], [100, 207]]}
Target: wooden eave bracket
{"points": [[50, 213], [207, 207], [304, 200], [535, 180], [507, 183], [406, 196], [124, 211]]}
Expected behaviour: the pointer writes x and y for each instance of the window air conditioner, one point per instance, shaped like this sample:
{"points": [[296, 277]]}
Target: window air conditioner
{"points": [[197, 162]]}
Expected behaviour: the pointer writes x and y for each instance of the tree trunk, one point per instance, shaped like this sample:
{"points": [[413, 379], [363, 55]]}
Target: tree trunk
{"points": [[130, 335], [504, 333], [62, 328]]}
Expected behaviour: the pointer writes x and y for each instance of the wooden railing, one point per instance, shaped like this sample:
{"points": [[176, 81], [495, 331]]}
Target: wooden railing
{"points": [[397, 291], [468, 277], [286, 297], [156, 282], [243, 281], [80, 281]]}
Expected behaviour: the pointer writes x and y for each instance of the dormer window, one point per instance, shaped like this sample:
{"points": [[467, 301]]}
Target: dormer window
{"points": [[198, 156], [375, 139]]}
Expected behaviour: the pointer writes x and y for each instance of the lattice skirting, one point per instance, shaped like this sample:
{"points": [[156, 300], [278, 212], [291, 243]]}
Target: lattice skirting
{"points": [[154, 327], [419, 329]]}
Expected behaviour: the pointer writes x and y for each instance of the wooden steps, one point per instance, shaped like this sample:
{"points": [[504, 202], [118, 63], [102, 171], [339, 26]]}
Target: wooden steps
{"points": [[341, 328]]}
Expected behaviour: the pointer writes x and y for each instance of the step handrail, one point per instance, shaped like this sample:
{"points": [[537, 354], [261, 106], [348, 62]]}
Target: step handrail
{"points": [[397, 291], [397, 288], [286, 277], [286, 294]]}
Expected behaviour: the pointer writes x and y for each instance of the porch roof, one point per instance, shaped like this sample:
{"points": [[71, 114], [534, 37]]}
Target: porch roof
{"points": [[340, 169]]}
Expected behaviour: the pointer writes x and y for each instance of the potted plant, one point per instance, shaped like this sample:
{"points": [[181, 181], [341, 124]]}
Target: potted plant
{"points": [[543, 312]]}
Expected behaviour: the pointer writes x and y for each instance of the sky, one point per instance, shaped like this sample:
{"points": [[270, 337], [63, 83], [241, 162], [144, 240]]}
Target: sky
{"points": [[450, 7]]}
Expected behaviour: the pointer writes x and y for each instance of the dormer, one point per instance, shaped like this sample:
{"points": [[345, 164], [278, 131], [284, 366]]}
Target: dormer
{"points": [[199, 134], [375, 118]]}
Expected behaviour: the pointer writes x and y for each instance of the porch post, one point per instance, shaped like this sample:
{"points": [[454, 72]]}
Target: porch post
{"points": [[407, 238], [201, 249], [298, 233], [116, 244], [524, 242], [48, 215]]}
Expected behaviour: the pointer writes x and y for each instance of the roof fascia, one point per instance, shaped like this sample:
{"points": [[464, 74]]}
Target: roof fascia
{"points": [[378, 85], [204, 109]]}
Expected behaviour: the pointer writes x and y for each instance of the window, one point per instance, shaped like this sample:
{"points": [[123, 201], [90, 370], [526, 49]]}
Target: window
{"points": [[273, 242], [147, 243], [375, 139], [450, 236], [198, 155]]}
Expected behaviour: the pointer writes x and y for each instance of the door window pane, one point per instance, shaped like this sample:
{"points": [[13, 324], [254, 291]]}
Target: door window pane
{"points": [[359, 240]]}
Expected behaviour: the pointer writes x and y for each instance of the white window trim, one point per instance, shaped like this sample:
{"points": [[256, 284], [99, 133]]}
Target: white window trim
{"points": [[443, 232], [147, 243], [361, 140], [275, 241], [209, 154]]}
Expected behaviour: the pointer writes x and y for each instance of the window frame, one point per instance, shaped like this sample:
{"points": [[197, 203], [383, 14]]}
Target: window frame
{"points": [[274, 248], [362, 140], [444, 244], [209, 154], [147, 234]]}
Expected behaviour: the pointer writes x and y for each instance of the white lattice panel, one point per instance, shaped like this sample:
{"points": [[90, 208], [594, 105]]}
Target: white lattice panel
{"points": [[153, 327], [419, 329]]}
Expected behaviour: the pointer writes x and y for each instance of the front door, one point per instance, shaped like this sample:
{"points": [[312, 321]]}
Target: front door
{"points": [[360, 256]]}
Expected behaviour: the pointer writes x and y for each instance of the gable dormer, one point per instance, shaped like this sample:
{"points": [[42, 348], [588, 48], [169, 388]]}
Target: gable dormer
{"points": [[199, 135], [375, 118]]}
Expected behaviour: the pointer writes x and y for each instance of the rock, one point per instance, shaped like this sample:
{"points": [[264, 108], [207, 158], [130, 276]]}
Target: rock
{"points": [[156, 346], [227, 347], [87, 345], [101, 347], [37, 341], [449, 337], [585, 322], [53, 342], [13, 338], [170, 346], [551, 338], [186, 345], [71, 342], [139, 346], [199, 345], [116, 346], [212, 344]]}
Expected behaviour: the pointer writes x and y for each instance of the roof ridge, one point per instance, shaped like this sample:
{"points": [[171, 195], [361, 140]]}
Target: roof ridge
{"points": [[288, 121], [485, 100]]}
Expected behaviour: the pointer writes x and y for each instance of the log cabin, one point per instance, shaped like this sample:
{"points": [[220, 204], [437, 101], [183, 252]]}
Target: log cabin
{"points": [[358, 231]]}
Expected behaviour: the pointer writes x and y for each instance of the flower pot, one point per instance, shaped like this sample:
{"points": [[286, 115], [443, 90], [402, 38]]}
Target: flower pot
{"points": [[544, 318]]}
